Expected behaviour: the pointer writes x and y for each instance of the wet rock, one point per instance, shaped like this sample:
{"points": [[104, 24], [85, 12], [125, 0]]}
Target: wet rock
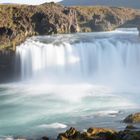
{"points": [[133, 118], [18, 22], [130, 127], [45, 138], [102, 133], [95, 131], [91, 134], [129, 135], [72, 133]]}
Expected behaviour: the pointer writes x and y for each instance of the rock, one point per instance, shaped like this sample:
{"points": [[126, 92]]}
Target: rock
{"points": [[72, 133], [129, 135], [128, 127], [22, 21], [18, 22], [102, 133], [91, 134], [105, 18], [45, 138], [133, 118], [95, 131]]}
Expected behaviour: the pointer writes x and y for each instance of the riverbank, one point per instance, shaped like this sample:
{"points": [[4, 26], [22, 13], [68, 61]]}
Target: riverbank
{"points": [[19, 22], [97, 133]]}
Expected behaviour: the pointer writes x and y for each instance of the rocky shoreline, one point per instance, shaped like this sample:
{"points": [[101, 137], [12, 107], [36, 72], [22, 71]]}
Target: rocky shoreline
{"points": [[93, 133]]}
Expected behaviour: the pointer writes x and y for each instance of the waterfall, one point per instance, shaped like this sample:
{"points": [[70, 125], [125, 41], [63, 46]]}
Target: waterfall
{"points": [[111, 56], [71, 80]]}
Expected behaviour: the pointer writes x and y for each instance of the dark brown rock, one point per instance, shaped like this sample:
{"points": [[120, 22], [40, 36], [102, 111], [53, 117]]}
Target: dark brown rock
{"points": [[45, 138], [129, 135], [133, 118], [72, 133], [91, 134], [18, 22], [130, 127]]}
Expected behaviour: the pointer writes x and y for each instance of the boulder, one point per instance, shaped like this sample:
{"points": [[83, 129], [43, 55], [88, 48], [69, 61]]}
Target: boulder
{"points": [[129, 135], [130, 127], [72, 133], [95, 131], [45, 138], [91, 134], [133, 118]]}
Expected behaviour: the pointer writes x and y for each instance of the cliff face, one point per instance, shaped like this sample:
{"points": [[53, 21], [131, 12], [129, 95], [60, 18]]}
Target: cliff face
{"points": [[106, 18], [17, 22]]}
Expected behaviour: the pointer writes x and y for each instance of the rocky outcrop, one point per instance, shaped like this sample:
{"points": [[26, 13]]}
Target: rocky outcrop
{"points": [[129, 135], [133, 118], [91, 133], [17, 22], [106, 18], [6, 66], [99, 134]]}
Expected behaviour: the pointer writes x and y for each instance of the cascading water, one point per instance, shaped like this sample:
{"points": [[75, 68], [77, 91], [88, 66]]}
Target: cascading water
{"points": [[113, 56], [79, 80]]}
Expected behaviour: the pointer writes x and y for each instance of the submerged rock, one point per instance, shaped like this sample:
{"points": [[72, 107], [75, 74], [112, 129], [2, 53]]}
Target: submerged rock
{"points": [[133, 118]]}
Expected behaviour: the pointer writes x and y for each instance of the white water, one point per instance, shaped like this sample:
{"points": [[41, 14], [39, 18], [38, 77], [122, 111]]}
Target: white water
{"points": [[101, 57], [79, 80]]}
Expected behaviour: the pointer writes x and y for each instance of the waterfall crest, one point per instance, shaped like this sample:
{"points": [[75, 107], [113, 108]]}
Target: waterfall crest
{"points": [[111, 56]]}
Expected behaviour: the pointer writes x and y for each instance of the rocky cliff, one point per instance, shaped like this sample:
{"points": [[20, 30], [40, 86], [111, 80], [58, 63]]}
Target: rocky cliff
{"points": [[17, 22]]}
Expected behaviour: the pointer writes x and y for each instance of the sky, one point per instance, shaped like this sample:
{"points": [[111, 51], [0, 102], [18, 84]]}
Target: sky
{"points": [[33, 2]]}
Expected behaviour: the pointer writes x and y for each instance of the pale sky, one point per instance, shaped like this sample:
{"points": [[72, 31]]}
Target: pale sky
{"points": [[33, 2]]}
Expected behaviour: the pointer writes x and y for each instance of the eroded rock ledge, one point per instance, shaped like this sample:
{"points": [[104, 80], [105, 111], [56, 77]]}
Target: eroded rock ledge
{"points": [[17, 22]]}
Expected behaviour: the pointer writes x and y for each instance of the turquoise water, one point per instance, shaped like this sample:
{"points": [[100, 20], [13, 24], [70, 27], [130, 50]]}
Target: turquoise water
{"points": [[78, 80], [33, 110]]}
